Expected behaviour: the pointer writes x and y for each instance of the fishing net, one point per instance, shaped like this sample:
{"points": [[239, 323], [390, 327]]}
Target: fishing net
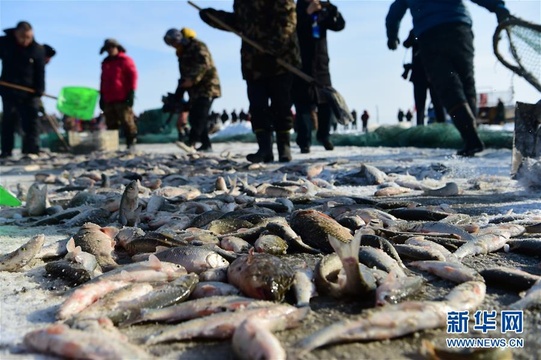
{"points": [[517, 45]]}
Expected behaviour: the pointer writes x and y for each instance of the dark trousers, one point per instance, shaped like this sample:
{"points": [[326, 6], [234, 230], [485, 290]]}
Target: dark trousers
{"points": [[270, 103], [419, 93], [304, 123], [447, 52], [198, 118], [25, 110]]}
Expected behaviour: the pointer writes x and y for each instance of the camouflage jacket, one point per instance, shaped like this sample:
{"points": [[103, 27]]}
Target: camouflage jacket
{"points": [[271, 24], [195, 63]]}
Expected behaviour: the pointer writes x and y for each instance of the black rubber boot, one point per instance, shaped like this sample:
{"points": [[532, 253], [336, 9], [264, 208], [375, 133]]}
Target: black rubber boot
{"points": [[130, 142], [464, 121], [283, 139], [264, 154]]}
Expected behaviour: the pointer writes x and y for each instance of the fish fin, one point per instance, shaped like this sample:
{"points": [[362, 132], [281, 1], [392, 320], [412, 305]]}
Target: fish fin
{"points": [[70, 246], [154, 262], [109, 231], [161, 248], [126, 276], [346, 250]]}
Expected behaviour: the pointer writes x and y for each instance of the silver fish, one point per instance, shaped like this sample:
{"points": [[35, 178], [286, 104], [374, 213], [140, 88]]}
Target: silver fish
{"points": [[531, 299], [454, 271], [15, 260], [128, 214], [36, 200], [194, 258]]}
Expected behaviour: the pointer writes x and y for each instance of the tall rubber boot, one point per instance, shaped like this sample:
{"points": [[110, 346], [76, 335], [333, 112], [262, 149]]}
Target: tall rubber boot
{"points": [[283, 139], [131, 140], [264, 153], [464, 121]]}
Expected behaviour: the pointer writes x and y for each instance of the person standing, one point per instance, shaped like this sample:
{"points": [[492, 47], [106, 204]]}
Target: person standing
{"points": [[234, 117], [444, 32], [224, 117], [421, 84], [117, 90], [364, 118], [409, 116], [500, 113], [400, 115], [314, 18], [199, 78], [272, 25], [23, 64]]}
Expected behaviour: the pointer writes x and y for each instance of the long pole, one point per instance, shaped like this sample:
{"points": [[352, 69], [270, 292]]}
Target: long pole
{"points": [[52, 122]]}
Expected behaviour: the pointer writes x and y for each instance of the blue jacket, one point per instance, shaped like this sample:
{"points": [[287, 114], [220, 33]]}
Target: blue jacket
{"points": [[429, 13]]}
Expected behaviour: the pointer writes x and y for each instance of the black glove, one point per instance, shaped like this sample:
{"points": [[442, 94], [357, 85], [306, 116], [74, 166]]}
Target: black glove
{"points": [[223, 16], [179, 92], [130, 98], [102, 103], [502, 14], [392, 44]]}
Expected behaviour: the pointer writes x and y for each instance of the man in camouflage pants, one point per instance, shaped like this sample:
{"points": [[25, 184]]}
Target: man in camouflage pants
{"points": [[199, 77], [271, 24]]}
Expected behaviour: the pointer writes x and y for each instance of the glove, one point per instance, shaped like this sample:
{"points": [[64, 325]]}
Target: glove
{"points": [[392, 44], [102, 103], [223, 16], [502, 14], [129, 99]]}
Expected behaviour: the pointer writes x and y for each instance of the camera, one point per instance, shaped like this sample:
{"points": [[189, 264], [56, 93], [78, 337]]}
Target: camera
{"points": [[407, 69]]}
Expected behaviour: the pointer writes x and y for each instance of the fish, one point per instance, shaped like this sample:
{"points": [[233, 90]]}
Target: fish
{"points": [[271, 244], [531, 299], [99, 242], [261, 276], [525, 246], [130, 209], [254, 338], [58, 339], [21, 257], [37, 200], [509, 278], [396, 287], [449, 189], [483, 244], [196, 308], [313, 227], [217, 326], [396, 320], [453, 271], [214, 288], [195, 259]]}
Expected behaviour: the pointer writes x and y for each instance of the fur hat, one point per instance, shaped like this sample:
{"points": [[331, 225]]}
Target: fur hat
{"points": [[110, 43]]}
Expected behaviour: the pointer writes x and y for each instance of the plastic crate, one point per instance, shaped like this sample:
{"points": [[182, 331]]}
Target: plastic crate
{"points": [[86, 142]]}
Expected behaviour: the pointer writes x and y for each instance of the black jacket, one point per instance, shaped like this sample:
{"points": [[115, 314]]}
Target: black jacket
{"points": [[21, 66], [314, 51]]}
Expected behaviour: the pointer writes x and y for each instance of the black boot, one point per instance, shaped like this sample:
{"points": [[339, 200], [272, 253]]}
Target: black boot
{"points": [[283, 139], [264, 153], [130, 142], [464, 121]]}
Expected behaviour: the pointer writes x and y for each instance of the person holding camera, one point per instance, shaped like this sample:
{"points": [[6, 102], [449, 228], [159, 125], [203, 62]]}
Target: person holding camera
{"points": [[445, 36], [421, 83], [314, 18]]}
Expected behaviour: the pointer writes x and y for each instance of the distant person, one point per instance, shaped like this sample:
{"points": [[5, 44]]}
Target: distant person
{"points": [[500, 112], [364, 118], [224, 117], [271, 23], [23, 64], [199, 78], [243, 116], [354, 117], [421, 83], [117, 90], [400, 115], [409, 116], [314, 19], [234, 117], [444, 32]]}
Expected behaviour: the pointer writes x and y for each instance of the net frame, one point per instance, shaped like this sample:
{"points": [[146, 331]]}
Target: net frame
{"points": [[519, 69]]}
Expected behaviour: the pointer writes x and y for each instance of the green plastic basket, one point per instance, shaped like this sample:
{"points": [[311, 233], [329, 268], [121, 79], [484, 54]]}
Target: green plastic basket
{"points": [[7, 199], [78, 102]]}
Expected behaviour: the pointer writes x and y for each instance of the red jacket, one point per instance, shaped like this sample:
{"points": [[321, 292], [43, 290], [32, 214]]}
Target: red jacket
{"points": [[118, 77]]}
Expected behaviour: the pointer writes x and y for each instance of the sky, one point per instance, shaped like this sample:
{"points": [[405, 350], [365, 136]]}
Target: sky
{"points": [[363, 70]]}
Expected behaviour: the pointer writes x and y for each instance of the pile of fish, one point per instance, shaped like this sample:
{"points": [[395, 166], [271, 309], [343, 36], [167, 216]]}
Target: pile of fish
{"points": [[211, 247]]}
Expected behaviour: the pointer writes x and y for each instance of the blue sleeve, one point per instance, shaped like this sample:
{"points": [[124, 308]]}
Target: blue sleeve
{"points": [[397, 10], [491, 5]]}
